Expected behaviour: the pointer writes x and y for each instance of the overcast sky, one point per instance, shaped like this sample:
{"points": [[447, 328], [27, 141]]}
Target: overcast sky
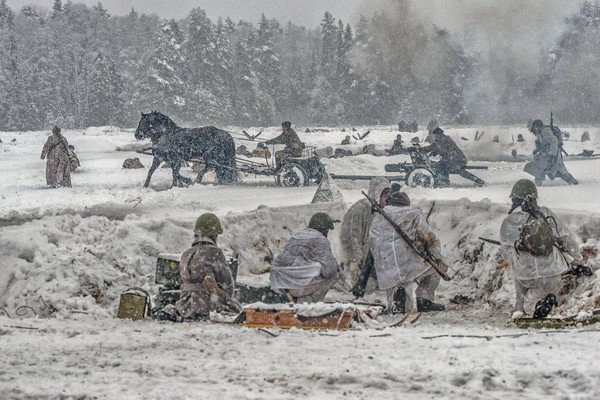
{"points": [[301, 12]]}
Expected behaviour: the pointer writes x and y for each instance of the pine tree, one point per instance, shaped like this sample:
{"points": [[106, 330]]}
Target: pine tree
{"points": [[105, 86], [57, 9], [163, 88], [201, 70], [328, 46], [266, 64]]}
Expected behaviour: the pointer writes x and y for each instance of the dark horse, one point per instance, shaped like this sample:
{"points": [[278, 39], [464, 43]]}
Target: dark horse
{"points": [[173, 144]]}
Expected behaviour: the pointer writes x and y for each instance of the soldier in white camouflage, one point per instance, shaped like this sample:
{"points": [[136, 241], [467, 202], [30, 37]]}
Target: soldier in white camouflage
{"points": [[536, 257]]}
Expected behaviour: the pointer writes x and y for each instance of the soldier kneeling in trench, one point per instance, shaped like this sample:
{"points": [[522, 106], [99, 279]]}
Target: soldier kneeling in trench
{"points": [[206, 282]]}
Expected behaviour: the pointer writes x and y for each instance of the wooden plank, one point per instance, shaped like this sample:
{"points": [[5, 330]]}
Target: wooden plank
{"points": [[287, 318]]}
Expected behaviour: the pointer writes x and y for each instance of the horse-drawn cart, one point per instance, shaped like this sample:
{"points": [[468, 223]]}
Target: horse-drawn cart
{"points": [[289, 171]]}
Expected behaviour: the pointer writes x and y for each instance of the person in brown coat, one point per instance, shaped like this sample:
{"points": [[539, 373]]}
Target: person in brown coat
{"points": [[206, 282], [289, 137], [453, 160], [58, 168]]}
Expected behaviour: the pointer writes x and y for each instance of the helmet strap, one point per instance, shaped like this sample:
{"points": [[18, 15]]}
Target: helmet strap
{"points": [[516, 203]]}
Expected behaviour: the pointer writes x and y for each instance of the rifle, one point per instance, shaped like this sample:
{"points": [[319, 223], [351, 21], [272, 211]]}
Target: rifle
{"points": [[560, 146], [365, 272], [577, 270], [424, 255], [429, 213], [497, 243]]}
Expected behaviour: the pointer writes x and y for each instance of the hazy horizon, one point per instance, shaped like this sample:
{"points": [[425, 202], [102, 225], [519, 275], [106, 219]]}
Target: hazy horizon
{"points": [[306, 12]]}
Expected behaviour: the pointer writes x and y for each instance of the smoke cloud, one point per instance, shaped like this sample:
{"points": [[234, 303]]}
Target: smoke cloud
{"points": [[510, 40]]}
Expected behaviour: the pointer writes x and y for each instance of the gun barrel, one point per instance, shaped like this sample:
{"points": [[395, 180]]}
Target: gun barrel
{"points": [[490, 241]]}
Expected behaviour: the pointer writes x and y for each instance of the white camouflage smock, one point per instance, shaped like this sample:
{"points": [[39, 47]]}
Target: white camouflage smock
{"points": [[526, 266], [354, 232], [395, 262], [306, 261]]}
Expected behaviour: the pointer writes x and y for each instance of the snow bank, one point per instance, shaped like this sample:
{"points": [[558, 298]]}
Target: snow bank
{"points": [[79, 248]]}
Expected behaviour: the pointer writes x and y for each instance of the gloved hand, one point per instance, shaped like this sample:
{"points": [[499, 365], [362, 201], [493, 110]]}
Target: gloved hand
{"points": [[443, 266]]}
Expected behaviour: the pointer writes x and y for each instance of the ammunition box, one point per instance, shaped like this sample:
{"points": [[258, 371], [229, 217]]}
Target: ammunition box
{"points": [[164, 298], [167, 271], [134, 304]]}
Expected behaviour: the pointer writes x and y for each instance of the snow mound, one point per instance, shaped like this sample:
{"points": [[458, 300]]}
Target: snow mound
{"points": [[327, 191]]}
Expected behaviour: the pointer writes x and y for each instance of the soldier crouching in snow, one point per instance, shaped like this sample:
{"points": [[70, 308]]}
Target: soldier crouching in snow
{"points": [[306, 268], [532, 241], [396, 264], [206, 282], [58, 169], [354, 232], [452, 157]]}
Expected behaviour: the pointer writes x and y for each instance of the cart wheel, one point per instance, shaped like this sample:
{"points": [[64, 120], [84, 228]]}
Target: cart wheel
{"points": [[292, 175], [320, 173], [420, 177]]}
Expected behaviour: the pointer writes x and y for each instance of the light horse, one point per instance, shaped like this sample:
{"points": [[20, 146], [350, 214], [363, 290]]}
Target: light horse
{"points": [[173, 144]]}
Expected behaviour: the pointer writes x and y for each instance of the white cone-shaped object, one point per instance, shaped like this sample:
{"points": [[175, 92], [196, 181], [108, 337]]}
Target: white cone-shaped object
{"points": [[327, 191]]}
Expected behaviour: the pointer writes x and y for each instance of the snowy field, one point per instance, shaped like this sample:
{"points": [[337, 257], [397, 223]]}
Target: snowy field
{"points": [[67, 254]]}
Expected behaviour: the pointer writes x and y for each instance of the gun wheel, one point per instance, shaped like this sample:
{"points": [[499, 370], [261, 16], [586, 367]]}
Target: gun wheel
{"points": [[292, 175], [420, 177]]}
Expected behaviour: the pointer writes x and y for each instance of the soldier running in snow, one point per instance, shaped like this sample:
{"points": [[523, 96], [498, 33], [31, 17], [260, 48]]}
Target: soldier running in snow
{"points": [[58, 170], [206, 282], [396, 264], [306, 268], [547, 156], [354, 232], [533, 241]]}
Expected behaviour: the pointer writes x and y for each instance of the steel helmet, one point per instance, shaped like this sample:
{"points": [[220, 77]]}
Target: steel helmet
{"points": [[536, 124], [208, 224], [321, 220], [523, 188]]}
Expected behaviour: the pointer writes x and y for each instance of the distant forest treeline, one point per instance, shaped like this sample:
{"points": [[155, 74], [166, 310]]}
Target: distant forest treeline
{"points": [[78, 66]]}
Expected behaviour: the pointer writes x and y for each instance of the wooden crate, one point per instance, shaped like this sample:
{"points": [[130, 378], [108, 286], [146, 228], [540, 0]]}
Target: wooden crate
{"points": [[287, 318]]}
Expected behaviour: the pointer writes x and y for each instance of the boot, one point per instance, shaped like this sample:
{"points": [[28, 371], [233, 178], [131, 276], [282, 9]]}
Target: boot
{"points": [[426, 305], [399, 302], [544, 306]]}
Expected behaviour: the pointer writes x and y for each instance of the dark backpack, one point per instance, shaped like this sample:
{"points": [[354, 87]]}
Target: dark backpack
{"points": [[558, 134], [536, 236]]}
